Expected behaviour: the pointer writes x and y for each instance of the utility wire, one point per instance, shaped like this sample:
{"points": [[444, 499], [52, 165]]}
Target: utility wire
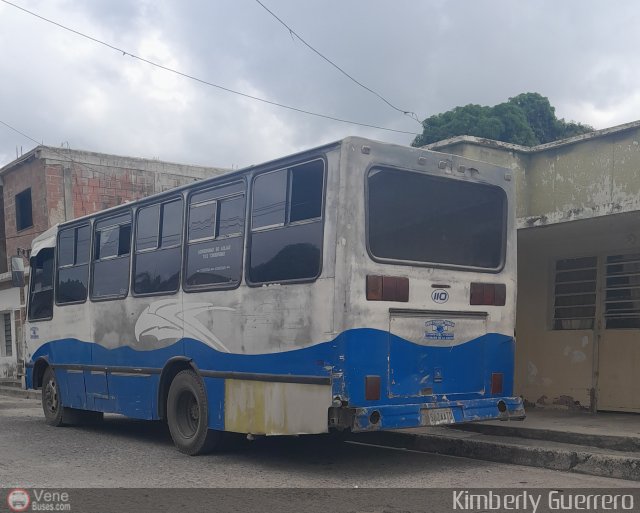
{"points": [[411, 114], [202, 81]]}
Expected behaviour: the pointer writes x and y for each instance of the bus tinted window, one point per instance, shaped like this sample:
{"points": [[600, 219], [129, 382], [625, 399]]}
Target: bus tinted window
{"points": [[158, 255], [83, 244], [111, 257], [269, 199], [306, 191], [41, 286], [292, 253], [414, 217], [216, 242], [288, 251], [147, 228], [73, 268], [171, 224], [66, 247], [231, 217], [202, 221]]}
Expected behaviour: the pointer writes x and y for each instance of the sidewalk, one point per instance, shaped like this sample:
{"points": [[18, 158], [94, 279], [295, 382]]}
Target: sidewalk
{"points": [[14, 388], [601, 444]]}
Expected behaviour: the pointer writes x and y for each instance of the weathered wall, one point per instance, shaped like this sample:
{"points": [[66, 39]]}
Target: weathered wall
{"points": [[9, 301], [68, 184], [593, 177], [29, 174]]}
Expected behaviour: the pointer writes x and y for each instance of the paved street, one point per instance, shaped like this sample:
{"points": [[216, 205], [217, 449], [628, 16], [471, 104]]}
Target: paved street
{"points": [[127, 453]]}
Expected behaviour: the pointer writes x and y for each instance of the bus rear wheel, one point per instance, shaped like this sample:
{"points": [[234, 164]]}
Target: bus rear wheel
{"points": [[188, 415]]}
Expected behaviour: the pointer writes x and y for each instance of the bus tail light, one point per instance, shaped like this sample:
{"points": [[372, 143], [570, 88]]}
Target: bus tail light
{"points": [[493, 294], [497, 379], [387, 288], [372, 388]]}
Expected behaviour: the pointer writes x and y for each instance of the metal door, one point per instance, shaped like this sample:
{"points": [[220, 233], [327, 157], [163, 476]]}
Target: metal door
{"points": [[618, 379]]}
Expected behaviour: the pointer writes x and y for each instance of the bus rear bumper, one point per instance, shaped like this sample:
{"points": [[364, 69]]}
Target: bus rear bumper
{"points": [[436, 414]]}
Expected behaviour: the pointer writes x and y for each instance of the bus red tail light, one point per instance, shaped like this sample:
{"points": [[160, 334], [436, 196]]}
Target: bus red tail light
{"points": [[372, 388], [493, 294], [387, 288], [496, 383]]}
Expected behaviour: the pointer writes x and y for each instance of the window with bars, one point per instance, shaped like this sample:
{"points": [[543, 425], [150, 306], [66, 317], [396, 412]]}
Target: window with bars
{"points": [[622, 292], [574, 305], [8, 341]]}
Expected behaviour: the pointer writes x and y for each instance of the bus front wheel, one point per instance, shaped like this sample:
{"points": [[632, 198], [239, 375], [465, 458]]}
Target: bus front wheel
{"points": [[188, 415], [51, 400]]}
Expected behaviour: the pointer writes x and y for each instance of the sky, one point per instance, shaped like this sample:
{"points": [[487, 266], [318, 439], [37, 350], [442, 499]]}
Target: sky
{"points": [[423, 56]]}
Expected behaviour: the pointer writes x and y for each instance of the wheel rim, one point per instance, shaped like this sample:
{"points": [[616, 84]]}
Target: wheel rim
{"points": [[188, 414], [51, 396]]}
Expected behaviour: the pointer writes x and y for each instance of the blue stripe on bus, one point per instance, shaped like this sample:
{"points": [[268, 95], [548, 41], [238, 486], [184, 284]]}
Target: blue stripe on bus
{"points": [[419, 374]]}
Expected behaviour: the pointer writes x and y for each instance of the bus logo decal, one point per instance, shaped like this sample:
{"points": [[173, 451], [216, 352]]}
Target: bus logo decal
{"points": [[439, 329], [162, 323], [440, 296]]}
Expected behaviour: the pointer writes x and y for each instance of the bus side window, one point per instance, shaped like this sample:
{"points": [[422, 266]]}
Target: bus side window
{"points": [[41, 286], [215, 238], [158, 249], [73, 265], [110, 269], [286, 223]]}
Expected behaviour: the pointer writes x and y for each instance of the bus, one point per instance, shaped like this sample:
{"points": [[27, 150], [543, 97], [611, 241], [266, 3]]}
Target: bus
{"points": [[353, 287]]}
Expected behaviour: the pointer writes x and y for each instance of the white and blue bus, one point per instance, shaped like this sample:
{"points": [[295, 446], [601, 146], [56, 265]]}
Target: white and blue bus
{"points": [[356, 286]]}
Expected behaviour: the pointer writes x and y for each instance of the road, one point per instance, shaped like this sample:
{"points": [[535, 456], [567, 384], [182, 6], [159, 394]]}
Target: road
{"points": [[127, 453]]}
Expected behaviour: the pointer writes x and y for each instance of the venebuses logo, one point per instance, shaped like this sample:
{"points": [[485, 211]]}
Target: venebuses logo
{"points": [[18, 500]]}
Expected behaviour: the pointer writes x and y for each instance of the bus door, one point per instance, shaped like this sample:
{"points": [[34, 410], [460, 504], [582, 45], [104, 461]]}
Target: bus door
{"points": [[435, 353]]}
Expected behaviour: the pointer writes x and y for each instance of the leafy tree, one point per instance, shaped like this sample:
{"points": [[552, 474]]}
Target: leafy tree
{"points": [[527, 119]]}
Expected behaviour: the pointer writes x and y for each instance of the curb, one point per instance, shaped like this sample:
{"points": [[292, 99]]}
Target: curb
{"points": [[569, 458], [616, 443], [20, 392]]}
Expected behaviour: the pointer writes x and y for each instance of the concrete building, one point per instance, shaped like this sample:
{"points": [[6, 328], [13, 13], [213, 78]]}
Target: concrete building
{"points": [[50, 185], [578, 315]]}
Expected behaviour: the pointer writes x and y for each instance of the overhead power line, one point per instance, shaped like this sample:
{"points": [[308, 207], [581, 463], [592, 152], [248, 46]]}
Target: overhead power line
{"points": [[409, 113], [202, 81]]}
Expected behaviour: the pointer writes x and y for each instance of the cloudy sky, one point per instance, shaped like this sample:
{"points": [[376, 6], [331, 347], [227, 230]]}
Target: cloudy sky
{"points": [[423, 56]]}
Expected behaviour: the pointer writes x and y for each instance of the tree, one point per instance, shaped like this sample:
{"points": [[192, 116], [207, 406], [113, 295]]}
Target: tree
{"points": [[527, 119]]}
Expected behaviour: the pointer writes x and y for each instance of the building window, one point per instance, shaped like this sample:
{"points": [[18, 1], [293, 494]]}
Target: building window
{"points": [[286, 224], [215, 237], [622, 292], [41, 285], [24, 214], [8, 341], [158, 249], [112, 245], [575, 293], [73, 264]]}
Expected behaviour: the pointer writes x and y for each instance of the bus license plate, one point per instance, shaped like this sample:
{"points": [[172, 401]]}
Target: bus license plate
{"points": [[437, 416]]}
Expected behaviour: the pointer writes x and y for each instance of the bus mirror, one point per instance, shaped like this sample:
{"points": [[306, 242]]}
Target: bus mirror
{"points": [[17, 272]]}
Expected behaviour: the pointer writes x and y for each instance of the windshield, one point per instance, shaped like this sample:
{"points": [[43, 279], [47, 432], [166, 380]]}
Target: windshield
{"points": [[418, 218]]}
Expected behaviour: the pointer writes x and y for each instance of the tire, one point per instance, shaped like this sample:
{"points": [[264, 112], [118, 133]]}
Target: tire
{"points": [[188, 415], [51, 399]]}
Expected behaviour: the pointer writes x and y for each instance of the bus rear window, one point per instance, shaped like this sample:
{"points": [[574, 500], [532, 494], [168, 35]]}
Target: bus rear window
{"points": [[423, 219]]}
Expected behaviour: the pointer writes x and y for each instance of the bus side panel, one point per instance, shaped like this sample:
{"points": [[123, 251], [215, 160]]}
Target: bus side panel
{"points": [[215, 398], [134, 395], [72, 385], [269, 408]]}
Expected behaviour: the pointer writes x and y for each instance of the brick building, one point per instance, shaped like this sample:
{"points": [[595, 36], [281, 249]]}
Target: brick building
{"points": [[50, 185]]}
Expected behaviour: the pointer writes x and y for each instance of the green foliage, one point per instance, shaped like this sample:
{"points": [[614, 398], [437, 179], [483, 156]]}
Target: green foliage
{"points": [[527, 119]]}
